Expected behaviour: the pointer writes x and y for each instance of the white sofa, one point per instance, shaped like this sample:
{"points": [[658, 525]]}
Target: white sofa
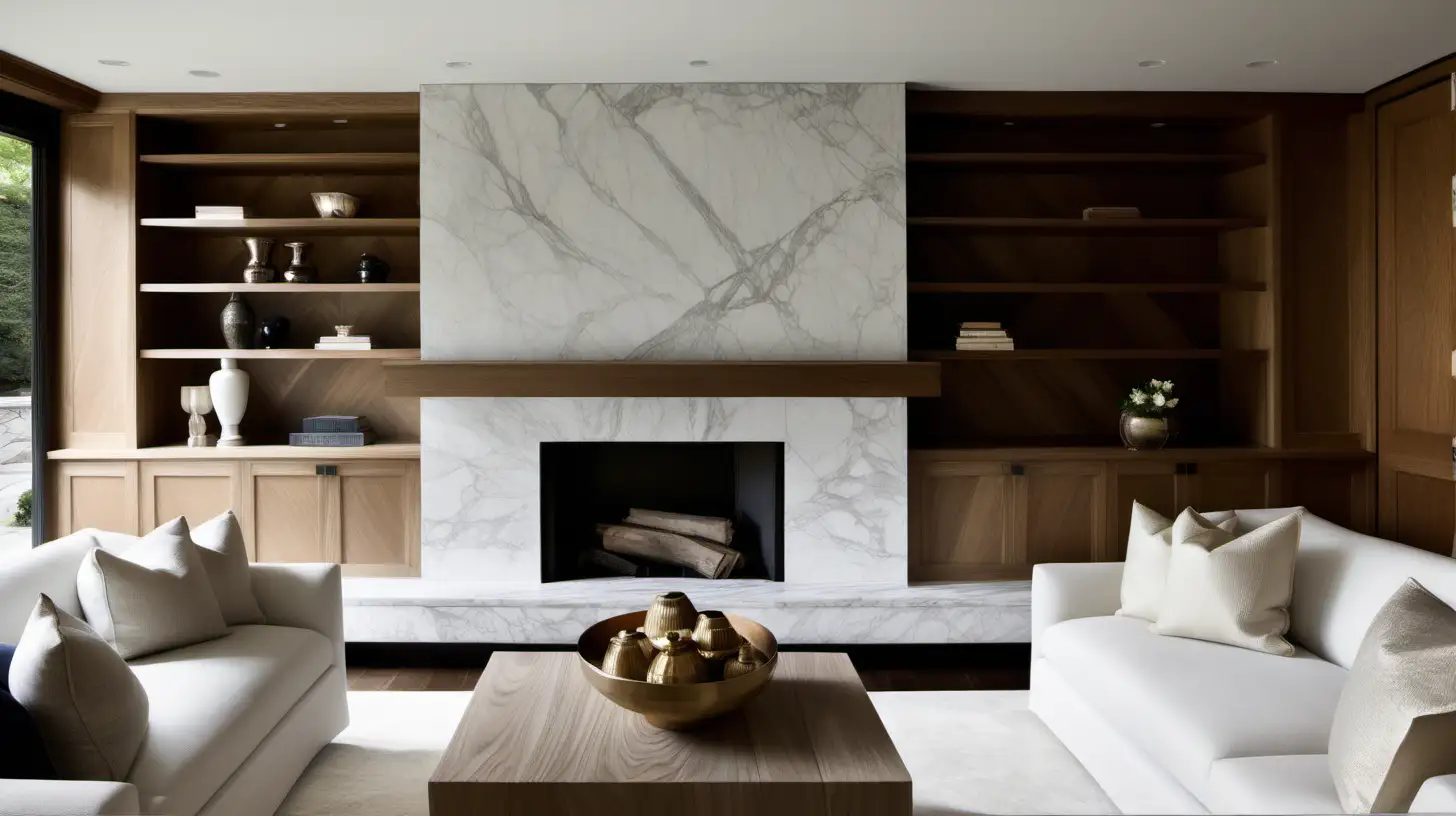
{"points": [[233, 721], [1172, 725]]}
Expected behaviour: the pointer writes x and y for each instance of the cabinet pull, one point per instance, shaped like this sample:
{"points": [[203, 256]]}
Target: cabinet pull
{"points": [[1018, 470], [326, 470]]}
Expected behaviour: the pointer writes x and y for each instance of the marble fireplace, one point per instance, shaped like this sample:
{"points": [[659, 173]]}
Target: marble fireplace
{"points": [[667, 223]]}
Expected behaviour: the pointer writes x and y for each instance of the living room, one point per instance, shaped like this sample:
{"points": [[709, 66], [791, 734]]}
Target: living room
{"points": [[934, 407]]}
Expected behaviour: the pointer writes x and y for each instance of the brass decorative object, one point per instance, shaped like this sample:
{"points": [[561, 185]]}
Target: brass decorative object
{"points": [[625, 658], [646, 643], [299, 269], [670, 612], [677, 663], [1143, 433], [260, 268], [716, 638], [679, 705], [335, 205], [747, 660]]}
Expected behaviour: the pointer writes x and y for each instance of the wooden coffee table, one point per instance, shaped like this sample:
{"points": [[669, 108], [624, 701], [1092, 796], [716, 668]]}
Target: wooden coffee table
{"points": [[536, 739]]}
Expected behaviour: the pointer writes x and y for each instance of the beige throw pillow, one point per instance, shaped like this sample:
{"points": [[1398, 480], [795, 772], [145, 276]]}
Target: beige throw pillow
{"points": [[152, 597], [1231, 590], [225, 556], [1149, 544], [1395, 725], [89, 708]]}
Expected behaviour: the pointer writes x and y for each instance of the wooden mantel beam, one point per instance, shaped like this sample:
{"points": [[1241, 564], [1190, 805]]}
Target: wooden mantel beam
{"points": [[637, 378], [25, 78]]}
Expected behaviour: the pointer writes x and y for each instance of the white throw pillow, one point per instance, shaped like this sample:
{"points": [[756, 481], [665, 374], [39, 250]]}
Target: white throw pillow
{"points": [[89, 708], [152, 597], [225, 556], [1150, 540], [1395, 725], [1232, 590]]}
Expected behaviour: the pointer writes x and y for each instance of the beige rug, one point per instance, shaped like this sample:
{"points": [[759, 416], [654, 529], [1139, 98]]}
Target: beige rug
{"points": [[969, 752]]}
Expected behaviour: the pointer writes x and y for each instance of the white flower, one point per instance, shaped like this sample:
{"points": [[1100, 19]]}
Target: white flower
{"points": [[1159, 400], [1138, 397], [1167, 386], [1173, 403], [1157, 384]]}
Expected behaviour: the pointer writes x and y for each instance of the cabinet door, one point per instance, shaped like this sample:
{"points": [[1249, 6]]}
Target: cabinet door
{"points": [[1156, 485], [379, 517], [1233, 485], [965, 522], [1066, 506], [288, 510], [94, 494], [197, 490]]}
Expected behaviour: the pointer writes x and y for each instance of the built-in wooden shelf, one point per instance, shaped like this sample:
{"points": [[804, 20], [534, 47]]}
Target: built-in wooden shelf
{"points": [[1086, 354], [281, 354], [1082, 288], [293, 226], [1219, 160], [1113, 451], [613, 378], [293, 288], [289, 162], [382, 450], [1082, 225]]}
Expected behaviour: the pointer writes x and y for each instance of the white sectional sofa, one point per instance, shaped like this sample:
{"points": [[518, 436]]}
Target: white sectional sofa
{"points": [[1171, 725], [233, 721]]}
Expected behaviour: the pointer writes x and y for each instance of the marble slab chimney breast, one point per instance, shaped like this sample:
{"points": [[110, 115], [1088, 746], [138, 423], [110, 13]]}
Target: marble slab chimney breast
{"points": [[664, 222]]}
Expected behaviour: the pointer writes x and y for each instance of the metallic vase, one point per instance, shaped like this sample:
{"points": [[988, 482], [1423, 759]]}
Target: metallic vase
{"points": [[259, 268], [372, 269], [670, 612], [299, 269], [237, 323], [678, 662], [625, 658], [748, 659], [716, 638], [1143, 433]]}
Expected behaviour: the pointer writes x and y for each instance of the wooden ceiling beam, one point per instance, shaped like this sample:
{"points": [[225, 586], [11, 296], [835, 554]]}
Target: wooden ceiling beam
{"points": [[25, 78]]}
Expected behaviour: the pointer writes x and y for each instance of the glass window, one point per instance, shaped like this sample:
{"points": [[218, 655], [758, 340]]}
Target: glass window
{"points": [[16, 331]]}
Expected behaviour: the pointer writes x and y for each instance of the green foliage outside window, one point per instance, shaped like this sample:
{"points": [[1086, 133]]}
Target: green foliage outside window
{"points": [[15, 263]]}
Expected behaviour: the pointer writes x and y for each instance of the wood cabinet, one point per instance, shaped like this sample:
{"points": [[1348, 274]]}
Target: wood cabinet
{"points": [[966, 522], [363, 514]]}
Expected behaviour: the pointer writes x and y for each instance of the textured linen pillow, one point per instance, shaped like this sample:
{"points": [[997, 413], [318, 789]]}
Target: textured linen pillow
{"points": [[1395, 725], [1150, 540], [153, 597], [224, 555], [1231, 590], [89, 708]]}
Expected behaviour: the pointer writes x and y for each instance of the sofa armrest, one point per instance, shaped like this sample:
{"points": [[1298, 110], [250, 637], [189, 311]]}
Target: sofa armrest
{"points": [[1437, 795], [50, 797], [308, 596], [1066, 591]]}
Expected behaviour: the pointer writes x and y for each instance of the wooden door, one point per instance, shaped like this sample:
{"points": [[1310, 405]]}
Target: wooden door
{"points": [[378, 520], [1231, 485], [1066, 507], [94, 494], [965, 522], [197, 490], [288, 512], [1416, 149], [1159, 486]]}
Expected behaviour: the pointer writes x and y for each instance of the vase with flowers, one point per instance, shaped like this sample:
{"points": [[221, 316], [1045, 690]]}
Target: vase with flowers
{"points": [[1145, 410]]}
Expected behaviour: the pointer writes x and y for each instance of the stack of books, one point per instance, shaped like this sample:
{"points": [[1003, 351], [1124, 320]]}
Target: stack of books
{"points": [[333, 432], [1110, 213], [983, 337], [350, 342], [221, 213]]}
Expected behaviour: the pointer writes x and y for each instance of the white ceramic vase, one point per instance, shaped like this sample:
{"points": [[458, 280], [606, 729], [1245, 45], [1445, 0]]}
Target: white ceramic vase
{"points": [[229, 387]]}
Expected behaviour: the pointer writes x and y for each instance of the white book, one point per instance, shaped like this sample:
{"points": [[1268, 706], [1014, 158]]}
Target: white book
{"points": [[980, 333], [220, 212], [353, 338], [1006, 346], [342, 346]]}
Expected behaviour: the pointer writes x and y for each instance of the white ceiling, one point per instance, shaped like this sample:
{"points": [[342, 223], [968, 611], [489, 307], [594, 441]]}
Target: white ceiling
{"points": [[392, 45]]}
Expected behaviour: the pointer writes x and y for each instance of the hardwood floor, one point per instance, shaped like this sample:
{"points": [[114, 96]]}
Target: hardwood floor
{"points": [[885, 669]]}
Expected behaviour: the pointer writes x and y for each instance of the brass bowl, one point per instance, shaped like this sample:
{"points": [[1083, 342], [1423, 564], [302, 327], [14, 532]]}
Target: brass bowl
{"points": [[335, 205], [675, 707]]}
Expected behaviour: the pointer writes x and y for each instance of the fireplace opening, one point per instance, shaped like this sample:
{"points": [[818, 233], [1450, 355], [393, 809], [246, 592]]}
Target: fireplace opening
{"points": [[692, 494]]}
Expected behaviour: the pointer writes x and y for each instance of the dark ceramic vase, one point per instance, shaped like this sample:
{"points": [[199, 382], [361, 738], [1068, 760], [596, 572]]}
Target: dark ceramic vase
{"points": [[372, 269], [237, 323], [273, 332]]}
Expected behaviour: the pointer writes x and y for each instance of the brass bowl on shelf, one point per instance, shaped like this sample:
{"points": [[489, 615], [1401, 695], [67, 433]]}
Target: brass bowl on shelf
{"points": [[675, 707]]}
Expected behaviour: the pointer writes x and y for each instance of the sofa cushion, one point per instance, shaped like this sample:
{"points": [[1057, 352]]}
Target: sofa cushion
{"points": [[1190, 703], [1299, 783], [214, 702], [223, 552], [1149, 545]]}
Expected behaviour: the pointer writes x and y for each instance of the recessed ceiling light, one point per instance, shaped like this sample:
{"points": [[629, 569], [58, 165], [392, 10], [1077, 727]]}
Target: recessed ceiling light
{"points": [[1261, 64], [115, 63], [205, 74], [457, 64], [1152, 63], [280, 125], [341, 121], [699, 63]]}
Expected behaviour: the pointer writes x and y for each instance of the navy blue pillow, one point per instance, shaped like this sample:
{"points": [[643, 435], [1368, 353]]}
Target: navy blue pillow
{"points": [[22, 754]]}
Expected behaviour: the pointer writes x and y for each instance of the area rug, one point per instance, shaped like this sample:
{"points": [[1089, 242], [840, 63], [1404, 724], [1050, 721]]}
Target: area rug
{"points": [[969, 752]]}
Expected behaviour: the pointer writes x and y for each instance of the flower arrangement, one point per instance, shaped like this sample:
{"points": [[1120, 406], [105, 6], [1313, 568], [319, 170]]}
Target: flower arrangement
{"points": [[1153, 399]]}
